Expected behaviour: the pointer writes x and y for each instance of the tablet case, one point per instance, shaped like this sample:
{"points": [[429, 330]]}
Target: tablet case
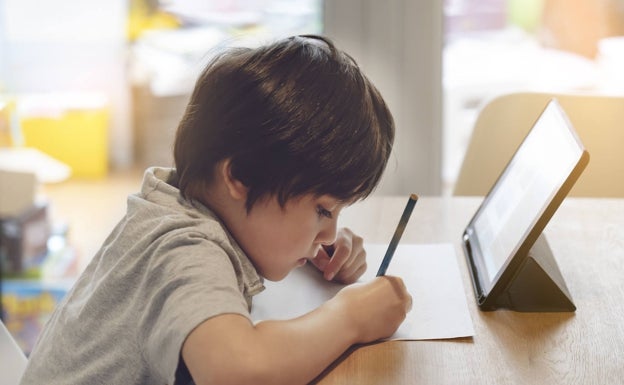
{"points": [[538, 285]]}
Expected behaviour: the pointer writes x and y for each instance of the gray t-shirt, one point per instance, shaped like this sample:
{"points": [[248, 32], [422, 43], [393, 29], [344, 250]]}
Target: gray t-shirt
{"points": [[167, 266]]}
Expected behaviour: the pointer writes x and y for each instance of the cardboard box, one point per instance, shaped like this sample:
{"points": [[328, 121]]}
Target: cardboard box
{"points": [[17, 192], [578, 25]]}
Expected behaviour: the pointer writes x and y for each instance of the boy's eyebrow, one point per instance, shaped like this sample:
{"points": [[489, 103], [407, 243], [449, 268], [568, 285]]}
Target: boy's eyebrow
{"points": [[339, 201], [331, 206], [345, 202]]}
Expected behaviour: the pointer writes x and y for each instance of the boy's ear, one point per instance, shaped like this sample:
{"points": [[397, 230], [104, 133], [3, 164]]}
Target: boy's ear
{"points": [[235, 187]]}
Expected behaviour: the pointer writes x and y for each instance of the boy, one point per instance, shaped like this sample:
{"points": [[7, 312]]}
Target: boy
{"points": [[274, 143]]}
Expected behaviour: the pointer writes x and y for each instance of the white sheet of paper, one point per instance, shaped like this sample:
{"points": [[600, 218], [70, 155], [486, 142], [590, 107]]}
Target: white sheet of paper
{"points": [[430, 273]]}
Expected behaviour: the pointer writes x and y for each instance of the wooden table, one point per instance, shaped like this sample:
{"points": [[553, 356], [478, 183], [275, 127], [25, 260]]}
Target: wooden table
{"points": [[585, 347]]}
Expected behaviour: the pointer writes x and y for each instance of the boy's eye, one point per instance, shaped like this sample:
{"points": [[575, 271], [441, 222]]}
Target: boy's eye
{"points": [[323, 212]]}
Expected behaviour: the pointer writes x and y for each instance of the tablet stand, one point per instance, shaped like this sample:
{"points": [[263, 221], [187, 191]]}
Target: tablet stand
{"points": [[538, 285]]}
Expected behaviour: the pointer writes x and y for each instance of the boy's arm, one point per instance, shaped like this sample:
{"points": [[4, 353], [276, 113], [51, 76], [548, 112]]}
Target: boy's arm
{"points": [[229, 349]]}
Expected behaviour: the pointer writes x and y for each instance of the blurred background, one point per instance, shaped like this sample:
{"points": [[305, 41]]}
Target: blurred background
{"points": [[91, 93], [100, 85]]}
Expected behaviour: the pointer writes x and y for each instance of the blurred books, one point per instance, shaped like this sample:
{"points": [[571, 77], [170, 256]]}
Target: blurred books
{"points": [[27, 305], [35, 277]]}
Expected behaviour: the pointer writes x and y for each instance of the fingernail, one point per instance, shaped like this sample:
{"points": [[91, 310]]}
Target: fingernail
{"points": [[330, 276]]}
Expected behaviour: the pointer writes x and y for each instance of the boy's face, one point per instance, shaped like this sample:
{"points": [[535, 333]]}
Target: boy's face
{"points": [[277, 239]]}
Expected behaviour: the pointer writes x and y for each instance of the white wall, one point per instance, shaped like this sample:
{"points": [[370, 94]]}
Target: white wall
{"points": [[69, 46], [398, 43]]}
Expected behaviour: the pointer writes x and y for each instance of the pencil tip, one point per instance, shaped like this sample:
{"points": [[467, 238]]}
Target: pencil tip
{"points": [[414, 197]]}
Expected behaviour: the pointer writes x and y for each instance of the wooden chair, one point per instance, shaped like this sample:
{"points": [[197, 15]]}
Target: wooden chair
{"points": [[503, 123]]}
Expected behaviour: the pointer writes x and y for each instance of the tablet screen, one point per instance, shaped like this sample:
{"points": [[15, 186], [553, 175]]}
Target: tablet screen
{"points": [[537, 171]]}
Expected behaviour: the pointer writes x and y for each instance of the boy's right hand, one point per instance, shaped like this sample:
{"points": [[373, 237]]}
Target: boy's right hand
{"points": [[229, 348], [376, 308]]}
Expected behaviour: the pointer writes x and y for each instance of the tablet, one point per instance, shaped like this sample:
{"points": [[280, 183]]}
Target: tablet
{"points": [[500, 237]]}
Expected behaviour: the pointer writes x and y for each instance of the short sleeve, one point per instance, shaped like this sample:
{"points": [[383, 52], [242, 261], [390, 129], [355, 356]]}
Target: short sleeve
{"points": [[189, 280]]}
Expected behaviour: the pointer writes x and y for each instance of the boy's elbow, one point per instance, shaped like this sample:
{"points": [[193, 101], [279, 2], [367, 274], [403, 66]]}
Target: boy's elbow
{"points": [[227, 349], [241, 371]]}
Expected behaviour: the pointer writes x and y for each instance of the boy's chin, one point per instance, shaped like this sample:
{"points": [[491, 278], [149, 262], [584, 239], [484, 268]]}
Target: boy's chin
{"points": [[276, 276]]}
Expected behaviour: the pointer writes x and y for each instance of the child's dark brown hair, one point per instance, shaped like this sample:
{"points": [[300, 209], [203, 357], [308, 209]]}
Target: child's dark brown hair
{"points": [[294, 117]]}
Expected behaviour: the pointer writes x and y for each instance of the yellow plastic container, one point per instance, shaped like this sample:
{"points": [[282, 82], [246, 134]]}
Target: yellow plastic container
{"points": [[77, 136], [7, 111]]}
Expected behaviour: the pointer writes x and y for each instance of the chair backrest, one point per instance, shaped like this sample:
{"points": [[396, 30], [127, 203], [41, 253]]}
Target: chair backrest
{"points": [[12, 359], [503, 123]]}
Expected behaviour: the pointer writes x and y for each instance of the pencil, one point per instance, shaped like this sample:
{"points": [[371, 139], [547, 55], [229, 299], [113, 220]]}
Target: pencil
{"points": [[411, 202]]}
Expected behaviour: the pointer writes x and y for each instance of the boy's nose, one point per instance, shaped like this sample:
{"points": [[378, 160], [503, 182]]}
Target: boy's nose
{"points": [[327, 235]]}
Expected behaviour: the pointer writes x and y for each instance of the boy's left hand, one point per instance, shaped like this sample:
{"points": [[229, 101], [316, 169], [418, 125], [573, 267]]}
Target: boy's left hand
{"points": [[345, 260]]}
